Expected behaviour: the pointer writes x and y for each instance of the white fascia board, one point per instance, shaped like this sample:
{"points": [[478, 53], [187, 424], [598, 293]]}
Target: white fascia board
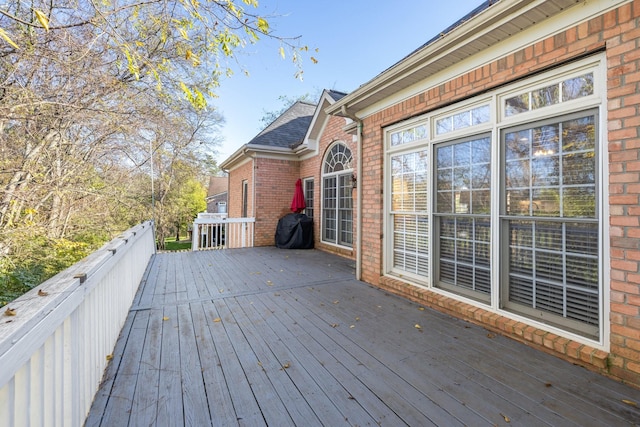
{"points": [[230, 162], [236, 163], [267, 152]]}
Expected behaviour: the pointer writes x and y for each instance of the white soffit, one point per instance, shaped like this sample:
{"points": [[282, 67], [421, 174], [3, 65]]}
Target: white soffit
{"points": [[498, 23]]}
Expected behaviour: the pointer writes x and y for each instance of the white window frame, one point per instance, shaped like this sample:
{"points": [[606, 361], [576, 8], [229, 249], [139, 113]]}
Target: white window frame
{"points": [[499, 122], [305, 181], [337, 176]]}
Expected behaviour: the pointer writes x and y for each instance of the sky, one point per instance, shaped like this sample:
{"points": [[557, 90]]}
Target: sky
{"points": [[356, 41]]}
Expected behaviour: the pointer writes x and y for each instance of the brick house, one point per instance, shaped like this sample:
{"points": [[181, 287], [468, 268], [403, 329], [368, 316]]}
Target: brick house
{"points": [[500, 176], [302, 143], [217, 194]]}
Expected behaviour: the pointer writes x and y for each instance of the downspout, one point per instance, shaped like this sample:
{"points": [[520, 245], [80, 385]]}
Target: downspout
{"points": [[345, 113], [359, 202]]}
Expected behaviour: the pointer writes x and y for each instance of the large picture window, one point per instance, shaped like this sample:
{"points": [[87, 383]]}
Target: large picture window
{"points": [[337, 201], [463, 208], [498, 200], [550, 222]]}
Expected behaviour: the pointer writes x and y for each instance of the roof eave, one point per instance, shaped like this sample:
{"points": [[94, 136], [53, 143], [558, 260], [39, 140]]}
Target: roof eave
{"points": [[480, 29]]}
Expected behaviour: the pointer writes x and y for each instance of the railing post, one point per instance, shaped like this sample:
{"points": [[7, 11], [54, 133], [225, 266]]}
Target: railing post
{"points": [[195, 235]]}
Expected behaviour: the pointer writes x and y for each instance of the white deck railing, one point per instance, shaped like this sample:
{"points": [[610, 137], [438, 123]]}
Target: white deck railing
{"points": [[211, 233], [54, 350]]}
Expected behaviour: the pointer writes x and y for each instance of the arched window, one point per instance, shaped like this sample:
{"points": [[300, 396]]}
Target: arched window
{"points": [[337, 202]]}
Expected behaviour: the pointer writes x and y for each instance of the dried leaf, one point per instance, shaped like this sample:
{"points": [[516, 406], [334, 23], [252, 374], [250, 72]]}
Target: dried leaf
{"points": [[217, 320], [421, 308], [42, 293], [286, 365], [506, 419], [165, 318], [357, 319], [334, 325], [6, 38], [336, 302], [490, 335], [352, 326], [548, 384], [10, 312], [314, 60], [269, 282], [109, 356], [42, 18], [417, 326], [629, 402]]}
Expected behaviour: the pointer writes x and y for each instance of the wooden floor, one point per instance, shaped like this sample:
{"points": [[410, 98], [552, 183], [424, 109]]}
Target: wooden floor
{"points": [[263, 336]]}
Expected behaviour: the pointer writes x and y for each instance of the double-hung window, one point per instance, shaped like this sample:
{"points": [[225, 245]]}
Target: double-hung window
{"points": [[462, 214], [499, 199]]}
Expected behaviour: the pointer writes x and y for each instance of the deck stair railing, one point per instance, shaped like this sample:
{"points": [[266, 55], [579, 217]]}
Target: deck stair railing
{"points": [[222, 233], [56, 340]]}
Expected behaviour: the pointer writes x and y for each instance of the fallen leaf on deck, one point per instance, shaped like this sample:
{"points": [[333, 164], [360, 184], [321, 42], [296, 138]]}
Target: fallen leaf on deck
{"points": [[421, 308], [507, 419], [286, 365], [10, 312], [629, 402], [352, 326], [109, 356], [547, 384], [417, 326], [217, 320], [336, 302], [165, 318], [42, 293], [490, 335], [269, 282], [357, 319], [334, 325]]}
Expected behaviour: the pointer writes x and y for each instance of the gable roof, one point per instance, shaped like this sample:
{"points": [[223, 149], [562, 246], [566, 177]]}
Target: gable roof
{"points": [[289, 129], [287, 135]]}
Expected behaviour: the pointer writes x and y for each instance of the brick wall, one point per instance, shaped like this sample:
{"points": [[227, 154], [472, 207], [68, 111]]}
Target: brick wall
{"points": [[617, 33], [234, 206], [312, 168], [275, 184]]}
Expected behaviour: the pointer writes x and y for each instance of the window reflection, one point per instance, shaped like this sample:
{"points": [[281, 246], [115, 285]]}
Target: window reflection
{"points": [[463, 182], [553, 172], [567, 90]]}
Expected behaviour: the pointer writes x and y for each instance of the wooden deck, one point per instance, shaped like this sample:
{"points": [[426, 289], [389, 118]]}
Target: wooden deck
{"points": [[264, 336]]}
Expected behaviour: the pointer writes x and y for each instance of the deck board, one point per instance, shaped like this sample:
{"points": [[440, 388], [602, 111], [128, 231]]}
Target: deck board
{"points": [[262, 336]]}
